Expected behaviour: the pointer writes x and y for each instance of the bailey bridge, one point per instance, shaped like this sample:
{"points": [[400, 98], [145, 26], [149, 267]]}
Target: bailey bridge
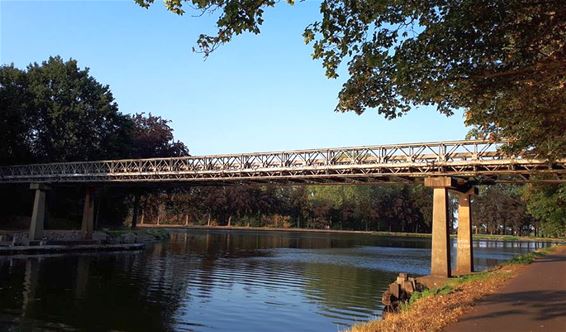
{"points": [[455, 165]]}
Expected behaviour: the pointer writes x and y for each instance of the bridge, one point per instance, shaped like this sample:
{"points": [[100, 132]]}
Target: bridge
{"points": [[475, 161], [458, 166]]}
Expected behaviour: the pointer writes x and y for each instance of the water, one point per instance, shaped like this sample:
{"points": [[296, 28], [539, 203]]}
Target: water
{"points": [[220, 281]]}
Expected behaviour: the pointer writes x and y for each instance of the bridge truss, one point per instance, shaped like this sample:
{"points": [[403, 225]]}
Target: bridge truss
{"points": [[472, 160]]}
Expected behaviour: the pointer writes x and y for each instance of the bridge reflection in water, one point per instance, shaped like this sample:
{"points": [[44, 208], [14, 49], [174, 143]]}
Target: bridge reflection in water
{"points": [[219, 280]]}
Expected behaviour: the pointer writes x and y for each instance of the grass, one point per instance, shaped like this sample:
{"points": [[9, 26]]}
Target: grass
{"points": [[373, 233], [493, 237], [450, 286], [528, 258], [444, 290], [434, 309], [158, 234]]}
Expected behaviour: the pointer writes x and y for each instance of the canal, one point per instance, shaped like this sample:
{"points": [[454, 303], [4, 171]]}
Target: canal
{"points": [[220, 281]]}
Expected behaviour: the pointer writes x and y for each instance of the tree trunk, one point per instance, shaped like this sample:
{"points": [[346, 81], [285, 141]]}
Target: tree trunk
{"points": [[230, 221]]}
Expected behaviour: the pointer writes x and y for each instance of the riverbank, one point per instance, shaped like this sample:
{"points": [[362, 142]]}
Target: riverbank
{"points": [[55, 241], [76, 247], [374, 233], [434, 309]]}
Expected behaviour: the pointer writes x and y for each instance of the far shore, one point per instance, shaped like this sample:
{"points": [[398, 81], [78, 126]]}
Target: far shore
{"points": [[337, 231]]}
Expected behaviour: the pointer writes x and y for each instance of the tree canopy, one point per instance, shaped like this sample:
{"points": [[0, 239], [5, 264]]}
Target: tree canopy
{"points": [[502, 61], [56, 111], [547, 204], [153, 138]]}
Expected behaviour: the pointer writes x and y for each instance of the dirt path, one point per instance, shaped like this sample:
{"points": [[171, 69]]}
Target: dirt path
{"points": [[535, 300]]}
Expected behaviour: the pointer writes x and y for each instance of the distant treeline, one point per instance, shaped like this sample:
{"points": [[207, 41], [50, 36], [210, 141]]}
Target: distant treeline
{"points": [[402, 208], [55, 111], [499, 209]]}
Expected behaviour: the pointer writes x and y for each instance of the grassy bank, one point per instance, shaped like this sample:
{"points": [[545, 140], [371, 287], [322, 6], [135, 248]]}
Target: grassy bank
{"points": [[374, 233], [137, 235], [433, 309]]}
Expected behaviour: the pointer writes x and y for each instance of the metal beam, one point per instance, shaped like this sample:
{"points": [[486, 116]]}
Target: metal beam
{"points": [[479, 161]]}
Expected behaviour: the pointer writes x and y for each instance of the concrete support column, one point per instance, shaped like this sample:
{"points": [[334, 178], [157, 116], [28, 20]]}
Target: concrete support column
{"points": [[135, 210], [38, 215], [440, 257], [465, 251], [87, 226]]}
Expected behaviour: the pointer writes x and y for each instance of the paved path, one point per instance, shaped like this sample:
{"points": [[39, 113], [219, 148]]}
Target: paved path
{"points": [[535, 300]]}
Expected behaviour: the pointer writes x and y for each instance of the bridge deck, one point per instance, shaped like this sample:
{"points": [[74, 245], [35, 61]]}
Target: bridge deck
{"points": [[479, 161]]}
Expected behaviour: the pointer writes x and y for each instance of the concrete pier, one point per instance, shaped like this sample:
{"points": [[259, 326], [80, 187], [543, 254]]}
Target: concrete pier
{"points": [[465, 252], [136, 209], [440, 256], [38, 215], [87, 226]]}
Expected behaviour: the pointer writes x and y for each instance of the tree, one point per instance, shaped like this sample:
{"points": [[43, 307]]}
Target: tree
{"points": [[503, 61], [14, 116], [55, 111], [548, 204], [499, 209], [298, 204], [152, 137]]}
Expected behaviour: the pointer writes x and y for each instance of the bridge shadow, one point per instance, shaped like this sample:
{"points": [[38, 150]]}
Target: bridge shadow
{"points": [[537, 305]]}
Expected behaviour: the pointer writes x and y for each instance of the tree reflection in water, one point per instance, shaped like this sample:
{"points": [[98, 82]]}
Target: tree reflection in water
{"points": [[218, 280]]}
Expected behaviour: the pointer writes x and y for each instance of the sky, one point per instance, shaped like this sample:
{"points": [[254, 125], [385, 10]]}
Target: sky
{"points": [[258, 93]]}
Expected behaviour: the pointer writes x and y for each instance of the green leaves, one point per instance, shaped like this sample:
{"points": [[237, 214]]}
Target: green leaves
{"points": [[55, 111], [152, 137], [503, 62], [64, 113], [548, 204]]}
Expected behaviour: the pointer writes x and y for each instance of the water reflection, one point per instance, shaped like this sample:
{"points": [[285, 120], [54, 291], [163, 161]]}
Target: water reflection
{"points": [[219, 280]]}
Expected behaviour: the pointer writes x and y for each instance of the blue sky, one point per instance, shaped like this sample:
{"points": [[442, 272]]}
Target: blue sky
{"points": [[258, 93]]}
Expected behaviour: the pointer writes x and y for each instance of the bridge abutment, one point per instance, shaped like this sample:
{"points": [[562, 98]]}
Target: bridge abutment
{"points": [[87, 226], [37, 223]]}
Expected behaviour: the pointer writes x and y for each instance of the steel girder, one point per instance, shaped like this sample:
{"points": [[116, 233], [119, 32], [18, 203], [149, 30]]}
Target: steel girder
{"points": [[474, 160]]}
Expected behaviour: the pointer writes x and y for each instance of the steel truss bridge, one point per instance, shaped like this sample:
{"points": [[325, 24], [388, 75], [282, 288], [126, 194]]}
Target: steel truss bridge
{"points": [[474, 161]]}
